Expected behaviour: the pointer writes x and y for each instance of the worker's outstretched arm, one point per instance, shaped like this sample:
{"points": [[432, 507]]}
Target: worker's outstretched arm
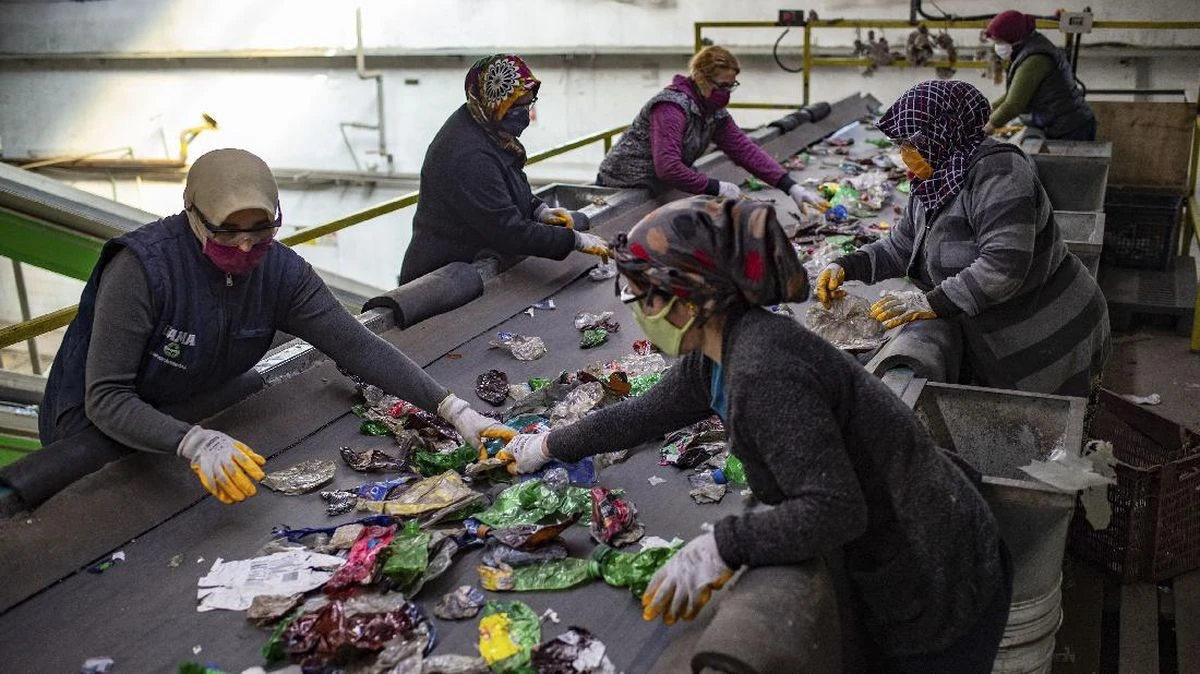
{"points": [[668, 124], [885, 258]]}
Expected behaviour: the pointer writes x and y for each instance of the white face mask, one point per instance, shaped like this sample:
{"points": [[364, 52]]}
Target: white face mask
{"points": [[1003, 49]]}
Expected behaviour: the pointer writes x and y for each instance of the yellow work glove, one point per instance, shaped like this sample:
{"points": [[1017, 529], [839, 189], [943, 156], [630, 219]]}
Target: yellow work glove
{"points": [[592, 245], [829, 283], [686, 582], [224, 465], [560, 217], [526, 453], [902, 306], [472, 425]]}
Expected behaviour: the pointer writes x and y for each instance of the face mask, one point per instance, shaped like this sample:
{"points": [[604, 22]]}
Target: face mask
{"points": [[915, 162], [659, 330], [719, 98], [231, 259], [1003, 49], [516, 121]]}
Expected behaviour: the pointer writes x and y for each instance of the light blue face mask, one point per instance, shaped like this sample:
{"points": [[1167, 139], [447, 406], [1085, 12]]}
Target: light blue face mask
{"points": [[659, 330]]}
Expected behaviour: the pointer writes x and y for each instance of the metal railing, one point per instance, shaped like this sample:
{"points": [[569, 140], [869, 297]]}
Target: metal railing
{"points": [[27, 330], [811, 61]]}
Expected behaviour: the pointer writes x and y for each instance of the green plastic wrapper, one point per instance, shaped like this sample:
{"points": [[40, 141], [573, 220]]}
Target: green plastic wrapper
{"points": [[554, 574], [593, 338], [754, 184], [843, 242], [734, 470], [272, 651], [536, 383], [632, 569], [436, 463], [373, 428], [846, 196], [408, 556], [643, 382], [903, 187], [360, 410], [508, 632], [880, 142], [530, 501]]}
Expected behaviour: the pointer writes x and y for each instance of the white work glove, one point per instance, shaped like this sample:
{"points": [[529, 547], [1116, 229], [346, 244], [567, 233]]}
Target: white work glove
{"points": [[902, 306], [224, 465], [684, 584], [802, 195], [526, 453], [471, 425], [728, 190], [592, 245], [554, 216], [829, 283]]}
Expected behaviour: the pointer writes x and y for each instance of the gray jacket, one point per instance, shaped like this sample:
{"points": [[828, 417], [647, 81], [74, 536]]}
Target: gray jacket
{"points": [[994, 260], [845, 464]]}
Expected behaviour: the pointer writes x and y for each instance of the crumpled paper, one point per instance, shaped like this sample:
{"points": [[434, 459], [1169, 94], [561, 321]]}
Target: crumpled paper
{"points": [[234, 585], [847, 324], [301, 478]]}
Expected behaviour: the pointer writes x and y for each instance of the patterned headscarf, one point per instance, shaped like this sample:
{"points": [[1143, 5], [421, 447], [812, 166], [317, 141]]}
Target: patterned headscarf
{"points": [[493, 84], [716, 253], [943, 119]]}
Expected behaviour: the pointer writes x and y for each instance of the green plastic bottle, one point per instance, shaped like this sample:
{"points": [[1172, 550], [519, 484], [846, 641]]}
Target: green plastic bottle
{"points": [[735, 472]]}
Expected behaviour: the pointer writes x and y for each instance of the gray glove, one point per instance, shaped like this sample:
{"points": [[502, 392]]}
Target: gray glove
{"points": [[224, 465], [471, 425], [728, 190], [592, 245]]}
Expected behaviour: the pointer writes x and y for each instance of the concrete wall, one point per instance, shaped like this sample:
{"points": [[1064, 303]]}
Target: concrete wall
{"points": [[599, 60]]}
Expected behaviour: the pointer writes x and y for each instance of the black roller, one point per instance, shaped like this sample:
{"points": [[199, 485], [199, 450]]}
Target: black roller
{"points": [[435, 293], [786, 123], [818, 111]]}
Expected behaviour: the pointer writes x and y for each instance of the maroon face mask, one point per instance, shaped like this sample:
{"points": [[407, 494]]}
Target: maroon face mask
{"points": [[231, 259], [719, 98]]}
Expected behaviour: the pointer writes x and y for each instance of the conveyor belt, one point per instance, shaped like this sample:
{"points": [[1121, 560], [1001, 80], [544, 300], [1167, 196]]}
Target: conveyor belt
{"points": [[142, 612], [60, 204]]}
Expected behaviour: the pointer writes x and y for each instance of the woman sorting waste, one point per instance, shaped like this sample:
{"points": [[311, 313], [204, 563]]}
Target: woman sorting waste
{"points": [[978, 240], [848, 468], [679, 124], [183, 306], [1040, 82], [475, 199]]}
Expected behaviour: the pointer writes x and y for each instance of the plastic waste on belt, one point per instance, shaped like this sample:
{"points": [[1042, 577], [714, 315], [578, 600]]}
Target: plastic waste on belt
{"points": [[268, 609], [536, 383], [593, 338], [555, 574], [641, 383], [407, 556], [301, 478], [522, 347], [371, 461], [374, 427], [492, 387], [435, 463], [846, 324], [464, 602], [339, 502], [291, 535], [632, 569], [532, 536], [343, 630], [576, 651], [705, 488], [585, 320], [577, 404], [359, 568], [693, 446], [508, 632], [614, 518], [497, 554], [529, 502], [734, 471], [603, 271], [432, 498]]}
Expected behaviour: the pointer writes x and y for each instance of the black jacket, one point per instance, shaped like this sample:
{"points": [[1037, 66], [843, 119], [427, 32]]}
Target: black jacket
{"points": [[476, 203]]}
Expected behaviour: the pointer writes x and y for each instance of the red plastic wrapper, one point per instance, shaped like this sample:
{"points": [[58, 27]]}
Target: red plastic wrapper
{"points": [[614, 519], [359, 568], [343, 631], [643, 347]]}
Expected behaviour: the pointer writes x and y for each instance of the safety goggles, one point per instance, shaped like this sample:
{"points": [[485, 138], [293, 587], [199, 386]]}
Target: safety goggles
{"points": [[726, 86], [234, 236]]}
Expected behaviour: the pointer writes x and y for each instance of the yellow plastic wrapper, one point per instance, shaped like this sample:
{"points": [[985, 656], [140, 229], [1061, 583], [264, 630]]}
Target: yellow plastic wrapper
{"points": [[495, 640], [508, 632], [445, 493]]}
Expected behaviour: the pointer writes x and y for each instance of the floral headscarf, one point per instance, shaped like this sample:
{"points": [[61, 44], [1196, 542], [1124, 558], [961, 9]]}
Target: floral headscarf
{"points": [[717, 253], [493, 84], [943, 119]]}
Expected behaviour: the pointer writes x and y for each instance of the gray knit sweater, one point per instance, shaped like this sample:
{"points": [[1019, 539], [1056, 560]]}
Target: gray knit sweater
{"points": [[845, 464]]}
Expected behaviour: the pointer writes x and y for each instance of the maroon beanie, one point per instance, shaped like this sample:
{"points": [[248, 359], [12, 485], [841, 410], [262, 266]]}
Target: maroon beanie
{"points": [[1011, 26]]}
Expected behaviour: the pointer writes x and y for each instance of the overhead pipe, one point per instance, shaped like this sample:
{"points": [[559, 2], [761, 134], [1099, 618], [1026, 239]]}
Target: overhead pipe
{"points": [[380, 126]]}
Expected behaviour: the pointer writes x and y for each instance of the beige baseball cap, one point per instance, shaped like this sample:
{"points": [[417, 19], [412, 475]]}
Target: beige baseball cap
{"points": [[225, 181]]}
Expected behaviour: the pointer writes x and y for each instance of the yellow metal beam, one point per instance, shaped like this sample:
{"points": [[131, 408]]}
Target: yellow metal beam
{"points": [[312, 233], [766, 106], [20, 332], [577, 143]]}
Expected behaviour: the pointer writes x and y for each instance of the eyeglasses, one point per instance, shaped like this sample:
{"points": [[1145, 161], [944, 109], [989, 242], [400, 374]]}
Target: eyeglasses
{"points": [[726, 86], [233, 236], [627, 296]]}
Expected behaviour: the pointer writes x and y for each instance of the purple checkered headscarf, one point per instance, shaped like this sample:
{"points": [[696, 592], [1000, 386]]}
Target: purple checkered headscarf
{"points": [[943, 120]]}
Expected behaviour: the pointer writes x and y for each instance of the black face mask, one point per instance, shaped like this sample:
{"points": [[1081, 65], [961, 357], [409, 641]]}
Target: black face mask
{"points": [[516, 121]]}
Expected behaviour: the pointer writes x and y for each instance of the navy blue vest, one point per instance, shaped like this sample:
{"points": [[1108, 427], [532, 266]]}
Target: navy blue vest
{"points": [[210, 327]]}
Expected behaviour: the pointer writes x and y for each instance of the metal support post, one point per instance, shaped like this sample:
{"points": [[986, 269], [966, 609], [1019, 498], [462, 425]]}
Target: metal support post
{"points": [[35, 361]]}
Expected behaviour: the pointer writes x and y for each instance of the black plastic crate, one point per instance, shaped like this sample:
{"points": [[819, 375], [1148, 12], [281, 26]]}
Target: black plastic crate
{"points": [[1141, 229]]}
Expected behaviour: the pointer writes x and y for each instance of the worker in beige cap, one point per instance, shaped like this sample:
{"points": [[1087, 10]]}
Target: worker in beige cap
{"points": [[183, 306]]}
